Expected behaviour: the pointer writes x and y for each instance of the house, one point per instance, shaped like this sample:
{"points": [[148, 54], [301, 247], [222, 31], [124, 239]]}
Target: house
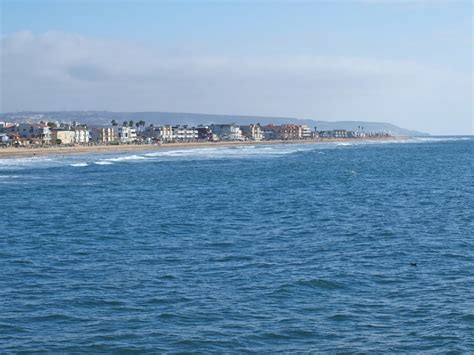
{"points": [[7, 128], [4, 139], [228, 132], [16, 140], [252, 132], [36, 132], [62, 136]]}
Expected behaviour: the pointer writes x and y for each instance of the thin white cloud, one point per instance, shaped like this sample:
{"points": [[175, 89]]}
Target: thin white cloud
{"points": [[60, 71]]}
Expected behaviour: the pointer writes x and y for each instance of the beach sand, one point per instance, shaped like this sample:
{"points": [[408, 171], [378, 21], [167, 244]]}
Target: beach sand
{"points": [[123, 148]]}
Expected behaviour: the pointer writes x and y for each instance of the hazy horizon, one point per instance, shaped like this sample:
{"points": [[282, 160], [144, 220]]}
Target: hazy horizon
{"points": [[404, 62]]}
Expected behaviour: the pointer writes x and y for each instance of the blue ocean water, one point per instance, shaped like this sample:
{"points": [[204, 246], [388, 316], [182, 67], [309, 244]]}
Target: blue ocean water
{"points": [[278, 248]]}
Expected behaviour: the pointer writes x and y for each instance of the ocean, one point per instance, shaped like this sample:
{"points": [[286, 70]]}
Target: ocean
{"points": [[344, 247]]}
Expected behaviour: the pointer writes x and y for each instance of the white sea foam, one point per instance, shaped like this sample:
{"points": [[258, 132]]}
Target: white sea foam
{"points": [[205, 153], [126, 158], [22, 163], [408, 140], [438, 139], [78, 165], [235, 152], [417, 140]]}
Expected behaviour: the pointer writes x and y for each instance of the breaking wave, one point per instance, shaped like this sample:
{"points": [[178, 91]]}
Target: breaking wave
{"points": [[125, 158], [79, 165], [202, 153]]}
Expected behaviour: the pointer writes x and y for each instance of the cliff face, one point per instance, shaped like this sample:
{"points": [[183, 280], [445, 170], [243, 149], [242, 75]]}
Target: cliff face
{"points": [[159, 118]]}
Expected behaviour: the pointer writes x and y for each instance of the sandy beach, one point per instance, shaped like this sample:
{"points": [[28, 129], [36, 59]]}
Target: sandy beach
{"points": [[104, 149]]}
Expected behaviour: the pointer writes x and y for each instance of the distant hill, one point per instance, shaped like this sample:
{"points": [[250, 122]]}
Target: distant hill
{"points": [[160, 118]]}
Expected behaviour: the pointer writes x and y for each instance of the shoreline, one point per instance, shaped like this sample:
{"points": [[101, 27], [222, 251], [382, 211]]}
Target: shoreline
{"points": [[11, 152]]}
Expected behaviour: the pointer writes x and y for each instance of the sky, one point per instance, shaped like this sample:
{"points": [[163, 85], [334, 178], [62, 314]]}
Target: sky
{"points": [[407, 62]]}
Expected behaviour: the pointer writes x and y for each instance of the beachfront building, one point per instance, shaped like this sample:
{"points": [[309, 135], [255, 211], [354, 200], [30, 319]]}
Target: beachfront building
{"points": [[35, 132], [252, 132], [81, 135], [270, 132], [6, 127], [291, 132], [184, 133], [307, 133], [166, 133], [340, 133], [62, 136], [4, 139], [151, 133], [356, 134], [103, 135], [335, 133], [227, 132], [162, 133], [325, 134], [283, 132], [18, 141], [126, 134], [204, 133]]}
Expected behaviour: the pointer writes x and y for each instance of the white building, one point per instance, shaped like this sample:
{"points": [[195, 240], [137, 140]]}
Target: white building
{"points": [[306, 132], [184, 133], [169, 133], [126, 134], [166, 133], [228, 132], [81, 135]]}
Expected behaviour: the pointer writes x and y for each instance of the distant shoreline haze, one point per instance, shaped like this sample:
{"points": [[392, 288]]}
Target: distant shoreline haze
{"points": [[164, 118]]}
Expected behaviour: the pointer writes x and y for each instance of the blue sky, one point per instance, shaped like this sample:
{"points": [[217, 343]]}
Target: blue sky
{"points": [[407, 62]]}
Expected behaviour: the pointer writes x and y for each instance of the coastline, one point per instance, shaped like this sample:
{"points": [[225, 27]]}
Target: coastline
{"points": [[11, 152]]}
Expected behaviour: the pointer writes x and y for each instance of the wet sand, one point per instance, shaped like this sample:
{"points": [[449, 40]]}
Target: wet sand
{"points": [[123, 148]]}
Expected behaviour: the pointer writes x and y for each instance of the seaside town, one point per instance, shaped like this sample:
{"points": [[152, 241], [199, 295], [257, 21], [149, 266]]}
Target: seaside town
{"points": [[45, 133]]}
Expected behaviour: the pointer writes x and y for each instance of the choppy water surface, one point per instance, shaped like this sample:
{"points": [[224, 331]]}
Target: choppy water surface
{"points": [[264, 248]]}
